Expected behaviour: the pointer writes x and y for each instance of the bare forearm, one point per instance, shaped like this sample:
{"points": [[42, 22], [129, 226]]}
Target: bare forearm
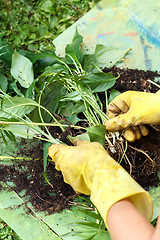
{"points": [[156, 235], [125, 222]]}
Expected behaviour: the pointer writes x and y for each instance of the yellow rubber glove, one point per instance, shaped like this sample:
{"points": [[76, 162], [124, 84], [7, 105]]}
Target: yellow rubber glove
{"points": [[90, 170], [131, 110]]}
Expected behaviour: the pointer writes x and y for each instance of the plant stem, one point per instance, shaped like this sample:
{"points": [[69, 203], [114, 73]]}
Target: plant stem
{"points": [[124, 152], [40, 124], [8, 157], [75, 64]]}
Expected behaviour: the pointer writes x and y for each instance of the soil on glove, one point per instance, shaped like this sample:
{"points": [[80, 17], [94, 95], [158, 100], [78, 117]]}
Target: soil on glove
{"points": [[141, 159]]}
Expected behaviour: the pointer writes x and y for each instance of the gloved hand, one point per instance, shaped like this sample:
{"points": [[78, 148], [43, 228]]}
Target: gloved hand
{"points": [[130, 110], [90, 170]]}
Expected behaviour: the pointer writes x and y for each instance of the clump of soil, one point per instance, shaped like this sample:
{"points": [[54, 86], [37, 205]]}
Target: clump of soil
{"points": [[28, 175], [141, 160]]}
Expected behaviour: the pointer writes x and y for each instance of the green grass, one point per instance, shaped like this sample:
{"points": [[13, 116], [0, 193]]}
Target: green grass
{"points": [[33, 25], [6, 232]]}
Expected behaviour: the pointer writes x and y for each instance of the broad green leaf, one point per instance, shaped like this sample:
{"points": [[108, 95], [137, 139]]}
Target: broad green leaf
{"points": [[155, 194], [16, 107], [99, 82], [68, 228], [5, 52], [94, 215], [3, 83], [104, 56], [73, 119], [89, 224], [42, 63], [97, 134], [88, 97], [10, 135], [30, 91], [85, 91], [3, 138], [113, 93], [15, 213], [78, 107], [91, 231], [50, 98], [65, 104], [47, 57], [47, 6], [55, 68], [88, 63], [74, 49], [70, 110], [72, 96], [104, 235], [107, 56], [13, 85], [22, 131], [22, 70], [47, 78], [53, 21], [12, 146], [45, 155]]}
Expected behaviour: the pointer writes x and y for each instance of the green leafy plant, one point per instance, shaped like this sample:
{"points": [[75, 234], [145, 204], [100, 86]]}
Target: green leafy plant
{"points": [[64, 89], [64, 86], [93, 227], [46, 90]]}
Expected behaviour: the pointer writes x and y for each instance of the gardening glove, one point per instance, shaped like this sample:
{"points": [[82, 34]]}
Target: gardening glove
{"points": [[132, 109], [89, 169]]}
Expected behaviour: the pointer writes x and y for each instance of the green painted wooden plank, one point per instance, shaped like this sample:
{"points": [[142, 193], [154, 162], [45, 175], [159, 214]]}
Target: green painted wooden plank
{"points": [[22, 219], [123, 24]]}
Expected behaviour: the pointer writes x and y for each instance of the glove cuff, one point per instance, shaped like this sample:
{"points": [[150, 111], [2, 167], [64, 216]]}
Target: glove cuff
{"points": [[118, 186]]}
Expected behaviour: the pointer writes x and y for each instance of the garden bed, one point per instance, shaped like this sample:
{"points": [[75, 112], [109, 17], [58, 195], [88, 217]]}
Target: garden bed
{"points": [[141, 159]]}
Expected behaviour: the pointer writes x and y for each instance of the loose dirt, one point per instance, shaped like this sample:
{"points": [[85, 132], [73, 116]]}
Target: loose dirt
{"points": [[141, 159]]}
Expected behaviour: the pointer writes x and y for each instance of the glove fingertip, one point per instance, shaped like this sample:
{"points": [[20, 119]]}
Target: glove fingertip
{"points": [[144, 130], [129, 135]]}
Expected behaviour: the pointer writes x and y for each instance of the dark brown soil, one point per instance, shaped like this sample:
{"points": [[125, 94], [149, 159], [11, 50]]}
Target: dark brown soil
{"points": [[44, 197], [133, 79], [142, 158]]}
